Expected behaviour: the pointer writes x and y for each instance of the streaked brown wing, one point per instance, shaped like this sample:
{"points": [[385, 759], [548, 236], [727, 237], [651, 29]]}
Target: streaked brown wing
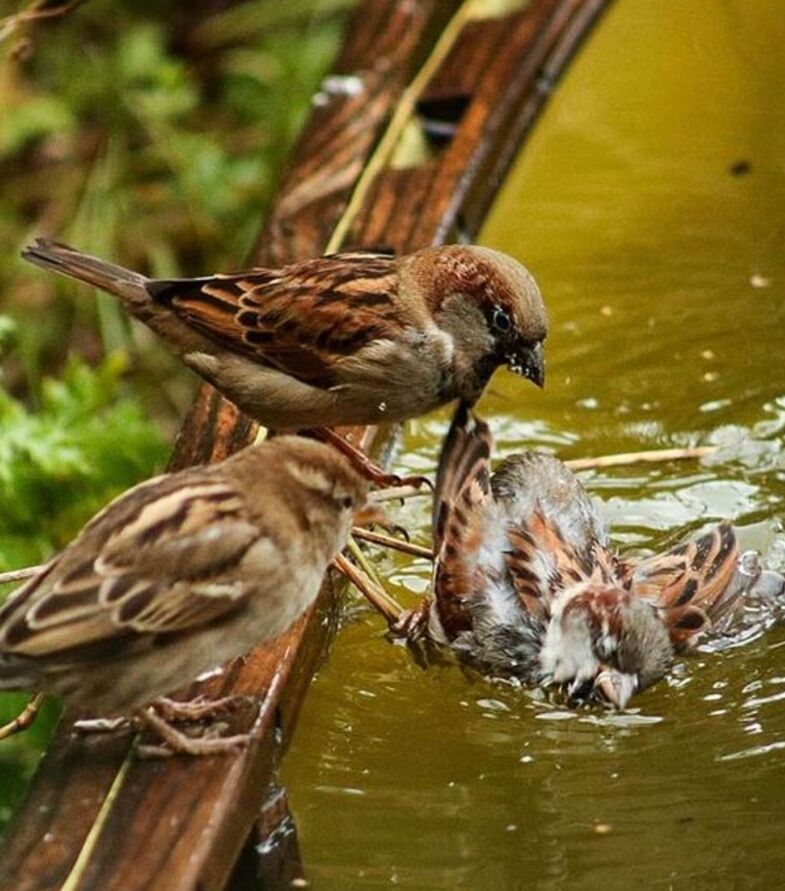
{"points": [[691, 583], [300, 318], [541, 563], [162, 571], [461, 501]]}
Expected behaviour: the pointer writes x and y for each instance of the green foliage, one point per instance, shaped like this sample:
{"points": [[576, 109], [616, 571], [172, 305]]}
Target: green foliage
{"points": [[61, 463], [85, 443], [153, 134]]}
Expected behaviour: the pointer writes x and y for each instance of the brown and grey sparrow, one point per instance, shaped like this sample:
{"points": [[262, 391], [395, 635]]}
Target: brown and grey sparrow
{"points": [[526, 583], [358, 337], [177, 576]]}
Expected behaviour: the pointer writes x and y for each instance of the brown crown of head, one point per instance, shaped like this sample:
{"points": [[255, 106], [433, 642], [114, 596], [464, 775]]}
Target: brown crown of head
{"points": [[503, 297]]}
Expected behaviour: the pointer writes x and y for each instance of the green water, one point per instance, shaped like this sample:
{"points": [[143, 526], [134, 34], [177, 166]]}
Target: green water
{"points": [[664, 273]]}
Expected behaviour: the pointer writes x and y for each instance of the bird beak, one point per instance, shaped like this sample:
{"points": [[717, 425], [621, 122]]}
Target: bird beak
{"points": [[529, 362], [615, 687]]}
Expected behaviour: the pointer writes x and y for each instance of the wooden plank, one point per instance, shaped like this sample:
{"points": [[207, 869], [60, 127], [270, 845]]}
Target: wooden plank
{"points": [[179, 824], [444, 196]]}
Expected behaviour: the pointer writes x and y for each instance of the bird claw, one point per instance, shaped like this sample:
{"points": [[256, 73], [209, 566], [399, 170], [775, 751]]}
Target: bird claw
{"points": [[175, 742], [415, 482], [372, 516], [412, 624], [198, 709]]}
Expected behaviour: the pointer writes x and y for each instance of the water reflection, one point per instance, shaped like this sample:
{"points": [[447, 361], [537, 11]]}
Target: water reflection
{"points": [[649, 203]]}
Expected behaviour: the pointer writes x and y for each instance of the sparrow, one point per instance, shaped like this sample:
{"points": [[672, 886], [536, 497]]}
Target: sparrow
{"points": [[358, 337], [527, 585], [177, 576]]}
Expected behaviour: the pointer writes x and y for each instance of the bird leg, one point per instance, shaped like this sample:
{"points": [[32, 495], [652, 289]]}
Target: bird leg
{"points": [[362, 463], [178, 743], [25, 718], [172, 710], [413, 623]]}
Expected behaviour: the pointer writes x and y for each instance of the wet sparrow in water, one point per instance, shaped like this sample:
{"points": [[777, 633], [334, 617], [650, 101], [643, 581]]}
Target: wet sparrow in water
{"points": [[526, 584], [353, 338], [177, 576]]}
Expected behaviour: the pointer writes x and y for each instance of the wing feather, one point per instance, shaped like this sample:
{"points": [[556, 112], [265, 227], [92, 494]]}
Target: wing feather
{"points": [[300, 319], [694, 585], [157, 570]]}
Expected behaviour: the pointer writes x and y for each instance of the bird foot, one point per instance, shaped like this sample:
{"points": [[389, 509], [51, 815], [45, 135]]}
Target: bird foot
{"points": [[25, 718], [413, 623], [172, 710], [175, 742]]}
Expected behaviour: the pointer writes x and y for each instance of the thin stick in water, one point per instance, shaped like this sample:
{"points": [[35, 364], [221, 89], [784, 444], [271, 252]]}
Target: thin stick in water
{"points": [[396, 493], [376, 596], [652, 456], [396, 544]]}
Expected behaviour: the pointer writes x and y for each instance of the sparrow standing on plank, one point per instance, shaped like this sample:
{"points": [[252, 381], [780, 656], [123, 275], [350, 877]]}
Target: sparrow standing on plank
{"points": [[353, 338], [178, 575], [526, 584]]}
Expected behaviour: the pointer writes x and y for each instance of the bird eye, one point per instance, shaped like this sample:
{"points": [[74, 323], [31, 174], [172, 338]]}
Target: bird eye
{"points": [[501, 319], [347, 502]]}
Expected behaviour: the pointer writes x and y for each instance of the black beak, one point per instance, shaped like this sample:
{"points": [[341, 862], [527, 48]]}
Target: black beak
{"points": [[529, 362]]}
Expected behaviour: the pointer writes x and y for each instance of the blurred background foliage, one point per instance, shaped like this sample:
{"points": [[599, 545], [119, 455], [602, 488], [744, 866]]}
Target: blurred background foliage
{"points": [[151, 133]]}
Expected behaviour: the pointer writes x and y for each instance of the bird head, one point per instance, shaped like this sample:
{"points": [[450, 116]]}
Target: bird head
{"points": [[491, 307], [605, 642]]}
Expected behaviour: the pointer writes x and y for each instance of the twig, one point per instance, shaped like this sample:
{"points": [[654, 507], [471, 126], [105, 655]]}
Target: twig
{"points": [[33, 13], [652, 456], [24, 719], [19, 575], [396, 493], [376, 596], [396, 544], [362, 561]]}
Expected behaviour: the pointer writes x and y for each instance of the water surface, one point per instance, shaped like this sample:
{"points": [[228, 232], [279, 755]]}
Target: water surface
{"points": [[650, 204]]}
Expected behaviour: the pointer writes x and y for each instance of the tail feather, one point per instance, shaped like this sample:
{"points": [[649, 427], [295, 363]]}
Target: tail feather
{"points": [[130, 286]]}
